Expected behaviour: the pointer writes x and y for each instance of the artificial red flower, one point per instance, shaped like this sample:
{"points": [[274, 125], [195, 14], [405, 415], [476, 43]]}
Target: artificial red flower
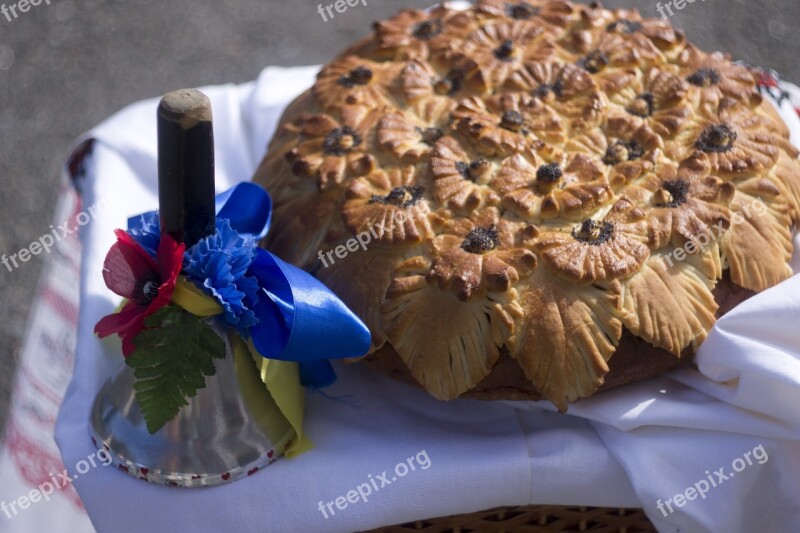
{"points": [[147, 283]]}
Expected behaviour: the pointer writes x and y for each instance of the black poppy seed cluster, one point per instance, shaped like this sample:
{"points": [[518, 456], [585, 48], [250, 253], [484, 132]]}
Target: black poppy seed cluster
{"points": [[521, 10], [704, 77], [642, 106], [679, 192], [718, 138], [466, 169], [428, 29], [357, 76], [481, 240], [341, 141], [429, 135], [594, 233], [594, 61], [622, 151], [624, 26], [548, 173], [401, 196], [505, 51]]}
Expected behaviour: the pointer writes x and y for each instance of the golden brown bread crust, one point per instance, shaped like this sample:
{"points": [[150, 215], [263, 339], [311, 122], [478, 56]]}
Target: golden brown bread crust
{"points": [[530, 175], [634, 360]]}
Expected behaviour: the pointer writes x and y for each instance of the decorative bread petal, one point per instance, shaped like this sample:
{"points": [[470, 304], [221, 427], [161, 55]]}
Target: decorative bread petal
{"points": [[758, 245], [447, 361], [566, 336], [669, 305], [786, 175]]}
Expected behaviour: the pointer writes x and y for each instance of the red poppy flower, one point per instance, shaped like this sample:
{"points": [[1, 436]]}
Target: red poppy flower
{"points": [[147, 284]]}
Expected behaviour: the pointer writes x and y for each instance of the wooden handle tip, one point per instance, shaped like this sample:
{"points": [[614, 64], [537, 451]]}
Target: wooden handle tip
{"points": [[186, 107]]}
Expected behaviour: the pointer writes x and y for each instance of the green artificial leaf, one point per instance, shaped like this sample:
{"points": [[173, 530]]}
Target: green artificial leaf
{"points": [[172, 359]]}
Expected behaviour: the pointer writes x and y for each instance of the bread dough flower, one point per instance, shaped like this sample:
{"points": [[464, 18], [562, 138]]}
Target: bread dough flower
{"points": [[501, 48], [432, 92], [407, 137], [729, 145], [331, 151], [461, 177], [568, 90], [414, 34], [390, 205], [598, 250], [478, 254], [625, 158], [538, 191], [505, 123], [715, 82], [599, 49], [363, 82], [654, 108], [683, 207], [557, 13]]}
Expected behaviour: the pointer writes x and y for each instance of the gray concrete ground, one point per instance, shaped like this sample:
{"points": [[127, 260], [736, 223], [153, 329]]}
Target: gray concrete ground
{"points": [[67, 65]]}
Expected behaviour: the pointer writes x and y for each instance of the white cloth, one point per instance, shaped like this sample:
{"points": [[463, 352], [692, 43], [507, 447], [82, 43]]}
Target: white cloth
{"points": [[625, 448], [28, 454]]}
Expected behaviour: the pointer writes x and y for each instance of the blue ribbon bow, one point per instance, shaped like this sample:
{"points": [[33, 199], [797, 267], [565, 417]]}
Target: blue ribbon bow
{"points": [[299, 318]]}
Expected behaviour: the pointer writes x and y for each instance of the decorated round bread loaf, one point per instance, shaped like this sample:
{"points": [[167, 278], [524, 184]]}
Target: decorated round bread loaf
{"points": [[533, 199]]}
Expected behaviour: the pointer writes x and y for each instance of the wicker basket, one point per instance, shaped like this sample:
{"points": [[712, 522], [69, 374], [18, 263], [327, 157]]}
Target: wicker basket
{"points": [[533, 518]]}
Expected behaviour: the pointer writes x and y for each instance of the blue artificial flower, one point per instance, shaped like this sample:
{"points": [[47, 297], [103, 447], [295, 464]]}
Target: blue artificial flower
{"points": [[147, 232], [218, 264]]}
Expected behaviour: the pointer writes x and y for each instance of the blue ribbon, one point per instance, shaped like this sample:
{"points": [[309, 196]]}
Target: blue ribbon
{"points": [[299, 318]]}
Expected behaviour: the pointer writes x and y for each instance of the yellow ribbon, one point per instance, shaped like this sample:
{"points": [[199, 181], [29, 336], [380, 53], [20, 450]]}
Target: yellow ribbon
{"points": [[281, 378], [188, 296]]}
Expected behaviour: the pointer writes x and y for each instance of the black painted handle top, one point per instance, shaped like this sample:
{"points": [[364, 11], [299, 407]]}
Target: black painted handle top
{"points": [[186, 166]]}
